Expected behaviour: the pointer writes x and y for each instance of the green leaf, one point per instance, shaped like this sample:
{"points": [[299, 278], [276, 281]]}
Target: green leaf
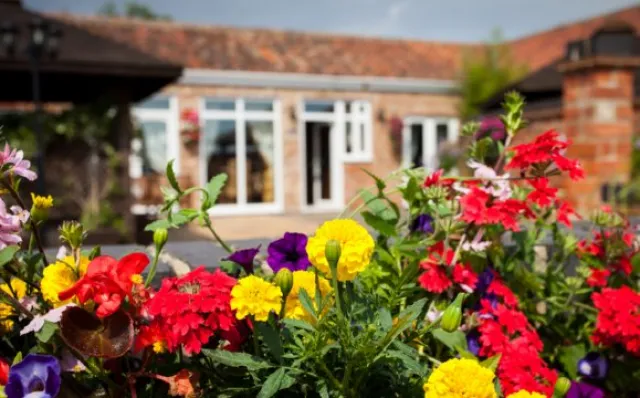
{"points": [[278, 380], [321, 387], [236, 359], [492, 363], [159, 224], [95, 252], [17, 358], [214, 187], [47, 332], [229, 267], [380, 225], [386, 322], [380, 184], [307, 304], [271, 338], [298, 324], [409, 362], [171, 176], [6, 254], [378, 206], [569, 357], [452, 340]]}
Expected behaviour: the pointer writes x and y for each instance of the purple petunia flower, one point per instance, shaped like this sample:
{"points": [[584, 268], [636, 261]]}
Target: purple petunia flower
{"points": [[492, 127], [17, 165], [36, 376], [244, 258], [423, 223], [473, 342], [593, 366], [289, 252], [584, 390]]}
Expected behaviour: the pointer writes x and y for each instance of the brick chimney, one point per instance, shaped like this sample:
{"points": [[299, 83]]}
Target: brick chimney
{"points": [[597, 103]]}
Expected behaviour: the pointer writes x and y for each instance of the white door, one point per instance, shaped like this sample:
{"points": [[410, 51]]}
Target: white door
{"points": [[423, 139]]}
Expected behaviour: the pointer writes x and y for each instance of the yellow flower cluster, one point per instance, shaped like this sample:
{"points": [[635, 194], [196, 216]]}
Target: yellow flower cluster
{"points": [[304, 280], [18, 290], [460, 378], [41, 202], [526, 394], [356, 248], [257, 297], [60, 276]]}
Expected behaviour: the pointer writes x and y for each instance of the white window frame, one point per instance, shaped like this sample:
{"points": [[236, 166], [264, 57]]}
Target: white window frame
{"points": [[170, 117], [240, 116], [429, 138], [361, 121]]}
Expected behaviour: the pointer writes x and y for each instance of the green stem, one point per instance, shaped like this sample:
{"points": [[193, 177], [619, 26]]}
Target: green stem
{"points": [[152, 270], [256, 342], [217, 237]]}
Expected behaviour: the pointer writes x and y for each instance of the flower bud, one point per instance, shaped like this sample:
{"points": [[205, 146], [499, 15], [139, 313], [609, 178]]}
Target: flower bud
{"points": [[40, 207], [72, 233], [562, 387], [284, 280], [160, 237], [332, 253], [450, 321]]}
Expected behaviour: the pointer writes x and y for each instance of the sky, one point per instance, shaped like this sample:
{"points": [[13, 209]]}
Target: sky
{"points": [[440, 20]]}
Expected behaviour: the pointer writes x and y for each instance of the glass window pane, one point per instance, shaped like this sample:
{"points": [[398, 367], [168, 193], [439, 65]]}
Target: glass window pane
{"points": [[154, 146], [219, 104], [260, 162], [220, 155], [259, 105], [416, 146], [318, 106], [442, 131], [363, 138], [154, 103], [348, 137]]}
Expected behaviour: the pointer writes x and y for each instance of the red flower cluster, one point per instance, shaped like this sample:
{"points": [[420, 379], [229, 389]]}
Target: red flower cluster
{"points": [[597, 248], [481, 208], [435, 279], [563, 211], [188, 311], [618, 320], [505, 330], [108, 282], [544, 150], [542, 195]]}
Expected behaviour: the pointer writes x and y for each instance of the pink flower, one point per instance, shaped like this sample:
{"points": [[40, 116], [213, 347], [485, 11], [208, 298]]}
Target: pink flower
{"points": [[11, 224], [18, 165]]}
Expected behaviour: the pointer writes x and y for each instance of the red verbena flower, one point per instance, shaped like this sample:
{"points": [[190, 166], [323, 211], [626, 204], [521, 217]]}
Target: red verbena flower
{"points": [[598, 277], [618, 320], [438, 265], [108, 282], [433, 178], [545, 150], [542, 195], [481, 208], [563, 211], [190, 309], [464, 275]]}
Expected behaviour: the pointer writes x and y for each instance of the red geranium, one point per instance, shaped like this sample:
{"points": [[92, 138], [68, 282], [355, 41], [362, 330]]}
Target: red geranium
{"points": [[618, 320], [542, 195], [544, 150], [598, 277], [108, 282], [189, 310], [436, 279]]}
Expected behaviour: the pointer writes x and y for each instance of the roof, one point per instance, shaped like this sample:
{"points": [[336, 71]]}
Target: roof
{"points": [[262, 50], [69, 76], [227, 48]]}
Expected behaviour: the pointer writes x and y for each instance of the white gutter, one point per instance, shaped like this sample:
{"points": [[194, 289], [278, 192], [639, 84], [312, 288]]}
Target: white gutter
{"points": [[301, 81]]}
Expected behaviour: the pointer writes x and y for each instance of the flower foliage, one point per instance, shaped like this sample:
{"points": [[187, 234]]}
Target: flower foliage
{"points": [[351, 310]]}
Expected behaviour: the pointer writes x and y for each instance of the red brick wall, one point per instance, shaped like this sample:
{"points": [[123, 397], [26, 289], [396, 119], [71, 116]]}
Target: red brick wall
{"points": [[599, 119], [384, 162]]}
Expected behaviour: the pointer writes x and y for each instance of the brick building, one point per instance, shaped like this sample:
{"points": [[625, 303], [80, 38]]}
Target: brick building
{"points": [[293, 117]]}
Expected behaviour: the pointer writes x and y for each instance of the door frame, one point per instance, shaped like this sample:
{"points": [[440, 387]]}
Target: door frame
{"points": [[337, 120], [429, 138]]}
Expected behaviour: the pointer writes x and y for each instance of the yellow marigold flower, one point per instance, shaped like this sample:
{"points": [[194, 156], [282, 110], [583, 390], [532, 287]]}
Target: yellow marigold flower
{"points": [[60, 276], [41, 202], [460, 378], [18, 290], [306, 280], [257, 297], [356, 247], [526, 394]]}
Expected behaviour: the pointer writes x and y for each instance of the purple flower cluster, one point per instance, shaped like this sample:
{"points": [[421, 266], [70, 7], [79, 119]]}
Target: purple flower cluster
{"points": [[493, 127]]}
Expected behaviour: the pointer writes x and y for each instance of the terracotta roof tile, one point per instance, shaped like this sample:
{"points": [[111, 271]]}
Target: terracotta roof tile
{"points": [[227, 48]]}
